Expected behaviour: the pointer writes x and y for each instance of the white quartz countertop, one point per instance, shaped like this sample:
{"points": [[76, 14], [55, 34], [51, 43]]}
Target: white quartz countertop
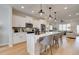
{"points": [[32, 41], [46, 34]]}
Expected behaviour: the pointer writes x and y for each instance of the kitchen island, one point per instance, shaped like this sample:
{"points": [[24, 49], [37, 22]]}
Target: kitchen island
{"points": [[32, 39]]}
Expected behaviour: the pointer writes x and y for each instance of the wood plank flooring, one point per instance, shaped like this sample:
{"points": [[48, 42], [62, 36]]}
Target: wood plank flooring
{"points": [[69, 47], [18, 49]]}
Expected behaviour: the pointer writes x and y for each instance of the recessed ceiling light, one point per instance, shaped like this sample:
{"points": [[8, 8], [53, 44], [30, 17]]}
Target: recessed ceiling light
{"points": [[65, 8], [22, 7], [69, 15], [77, 13]]}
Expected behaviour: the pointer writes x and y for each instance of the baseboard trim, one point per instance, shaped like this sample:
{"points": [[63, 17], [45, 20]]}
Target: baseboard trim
{"points": [[19, 43], [6, 44]]}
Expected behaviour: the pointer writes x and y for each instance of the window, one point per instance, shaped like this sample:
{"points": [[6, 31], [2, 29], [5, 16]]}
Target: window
{"points": [[51, 27], [60, 27], [64, 27], [68, 27], [77, 29]]}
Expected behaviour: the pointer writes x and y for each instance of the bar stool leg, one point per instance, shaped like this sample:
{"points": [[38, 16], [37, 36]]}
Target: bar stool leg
{"points": [[51, 49]]}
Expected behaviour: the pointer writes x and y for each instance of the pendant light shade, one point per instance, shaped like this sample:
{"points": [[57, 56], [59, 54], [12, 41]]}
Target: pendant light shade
{"points": [[41, 12], [55, 16], [61, 21], [50, 17], [50, 7], [55, 13]]}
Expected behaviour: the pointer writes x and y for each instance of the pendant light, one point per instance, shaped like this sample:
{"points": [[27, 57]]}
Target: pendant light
{"points": [[55, 16], [61, 21], [50, 17], [41, 12]]}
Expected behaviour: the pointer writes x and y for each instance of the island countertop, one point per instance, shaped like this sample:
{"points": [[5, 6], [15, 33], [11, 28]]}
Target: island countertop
{"points": [[32, 40], [47, 34]]}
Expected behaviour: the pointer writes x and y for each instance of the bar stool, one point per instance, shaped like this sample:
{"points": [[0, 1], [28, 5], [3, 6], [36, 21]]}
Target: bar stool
{"points": [[50, 43], [56, 40], [60, 36], [44, 44], [52, 40], [40, 45]]}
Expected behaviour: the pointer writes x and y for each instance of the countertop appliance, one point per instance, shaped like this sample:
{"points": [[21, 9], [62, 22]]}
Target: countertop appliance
{"points": [[29, 28]]}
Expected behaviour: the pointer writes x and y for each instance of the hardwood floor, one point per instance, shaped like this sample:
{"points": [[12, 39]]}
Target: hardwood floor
{"points": [[69, 47], [18, 49]]}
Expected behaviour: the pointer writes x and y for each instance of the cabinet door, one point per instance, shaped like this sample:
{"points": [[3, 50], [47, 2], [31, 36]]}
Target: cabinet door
{"points": [[18, 21], [19, 37], [15, 38], [22, 37]]}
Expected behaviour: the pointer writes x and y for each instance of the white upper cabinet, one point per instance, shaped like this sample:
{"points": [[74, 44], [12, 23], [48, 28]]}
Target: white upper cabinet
{"points": [[18, 21]]}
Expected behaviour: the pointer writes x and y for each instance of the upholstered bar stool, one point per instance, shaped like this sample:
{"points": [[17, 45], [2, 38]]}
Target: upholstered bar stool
{"points": [[50, 42], [56, 40], [60, 36], [53, 40], [44, 43], [52, 36], [41, 46]]}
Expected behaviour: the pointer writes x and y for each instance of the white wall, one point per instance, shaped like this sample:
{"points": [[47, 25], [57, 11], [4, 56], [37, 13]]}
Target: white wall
{"points": [[18, 21], [5, 26]]}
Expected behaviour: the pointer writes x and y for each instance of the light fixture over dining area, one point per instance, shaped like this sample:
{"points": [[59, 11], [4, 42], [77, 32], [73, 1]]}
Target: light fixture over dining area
{"points": [[50, 16], [41, 12]]}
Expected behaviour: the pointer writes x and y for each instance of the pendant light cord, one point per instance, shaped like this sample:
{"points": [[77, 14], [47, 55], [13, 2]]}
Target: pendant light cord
{"points": [[50, 10], [41, 5]]}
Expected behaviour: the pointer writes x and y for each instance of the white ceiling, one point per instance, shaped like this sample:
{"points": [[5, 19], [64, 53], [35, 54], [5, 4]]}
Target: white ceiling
{"points": [[59, 8]]}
